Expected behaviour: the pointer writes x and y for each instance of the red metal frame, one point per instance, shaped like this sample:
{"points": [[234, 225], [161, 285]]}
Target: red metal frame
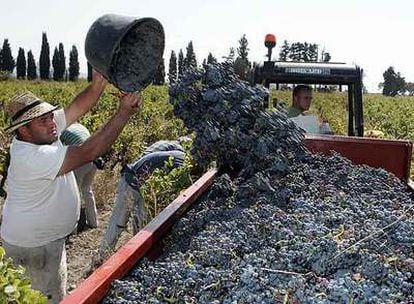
{"points": [[94, 288], [391, 155], [394, 156]]}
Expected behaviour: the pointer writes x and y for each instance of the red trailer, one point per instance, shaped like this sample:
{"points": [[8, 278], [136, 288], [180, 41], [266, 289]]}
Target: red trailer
{"points": [[391, 155]]}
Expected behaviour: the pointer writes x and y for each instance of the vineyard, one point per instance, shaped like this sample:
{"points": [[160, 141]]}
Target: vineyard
{"points": [[154, 122], [393, 116], [384, 117]]}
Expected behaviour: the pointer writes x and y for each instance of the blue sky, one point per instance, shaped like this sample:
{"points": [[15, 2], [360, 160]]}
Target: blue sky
{"points": [[372, 34]]}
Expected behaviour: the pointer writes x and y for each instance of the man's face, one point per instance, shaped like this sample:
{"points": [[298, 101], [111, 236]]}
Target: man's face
{"points": [[41, 130], [302, 100]]}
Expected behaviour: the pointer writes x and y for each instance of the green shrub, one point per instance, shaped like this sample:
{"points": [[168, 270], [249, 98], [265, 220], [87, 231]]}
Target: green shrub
{"points": [[166, 183], [14, 286]]}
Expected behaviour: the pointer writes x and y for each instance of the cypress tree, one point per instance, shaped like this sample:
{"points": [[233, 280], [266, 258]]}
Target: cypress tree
{"points": [[242, 65], [313, 52], [180, 63], [62, 62], [190, 60], [44, 61], [159, 78], [73, 64], [243, 50], [296, 49], [211, 58], [31, 66], [21, 65], [7, 60], [55, 64], [172, 68], [230, 57], [284, 51]]}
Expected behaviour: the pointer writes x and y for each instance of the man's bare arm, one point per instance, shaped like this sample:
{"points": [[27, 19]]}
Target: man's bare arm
{"points": [[100, 142], [86, 99]]}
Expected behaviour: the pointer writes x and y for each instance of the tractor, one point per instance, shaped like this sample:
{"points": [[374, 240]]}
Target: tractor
{"points": [[392, 155], [341, 74]]}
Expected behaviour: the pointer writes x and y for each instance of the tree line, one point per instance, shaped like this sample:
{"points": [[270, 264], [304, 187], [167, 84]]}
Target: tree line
{"points": [[395, 84], [303, 52], [26, 67], [178, 65], [56, 68], [238, 58]]}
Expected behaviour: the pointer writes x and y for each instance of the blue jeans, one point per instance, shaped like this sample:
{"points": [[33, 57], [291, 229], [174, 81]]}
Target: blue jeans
{"points": [[153, 157]]}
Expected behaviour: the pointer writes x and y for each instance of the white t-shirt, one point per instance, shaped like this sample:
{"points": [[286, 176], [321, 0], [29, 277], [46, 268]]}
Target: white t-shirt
{"points": [[40, 207], [309, 123]]}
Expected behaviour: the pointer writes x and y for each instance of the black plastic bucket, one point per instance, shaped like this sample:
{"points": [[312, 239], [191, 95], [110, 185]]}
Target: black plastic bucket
{"points": [[126, 50]]}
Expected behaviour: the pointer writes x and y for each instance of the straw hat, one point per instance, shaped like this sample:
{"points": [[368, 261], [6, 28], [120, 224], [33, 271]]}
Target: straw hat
{"points": [[25, 107]]}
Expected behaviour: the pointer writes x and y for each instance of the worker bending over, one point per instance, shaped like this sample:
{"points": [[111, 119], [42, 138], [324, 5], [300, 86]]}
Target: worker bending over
{"points": [[129, 202]]}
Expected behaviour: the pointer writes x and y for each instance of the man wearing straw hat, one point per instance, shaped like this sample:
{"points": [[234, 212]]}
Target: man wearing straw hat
{"points": [[42, 205]]}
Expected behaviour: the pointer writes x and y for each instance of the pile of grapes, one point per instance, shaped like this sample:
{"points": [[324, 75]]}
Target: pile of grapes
{"points": [[135, 60], [288, 227]]}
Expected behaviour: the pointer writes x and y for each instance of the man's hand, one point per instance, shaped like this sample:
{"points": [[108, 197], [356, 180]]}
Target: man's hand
{"points": [[101, 140], [130, 103], [98, 78]]}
